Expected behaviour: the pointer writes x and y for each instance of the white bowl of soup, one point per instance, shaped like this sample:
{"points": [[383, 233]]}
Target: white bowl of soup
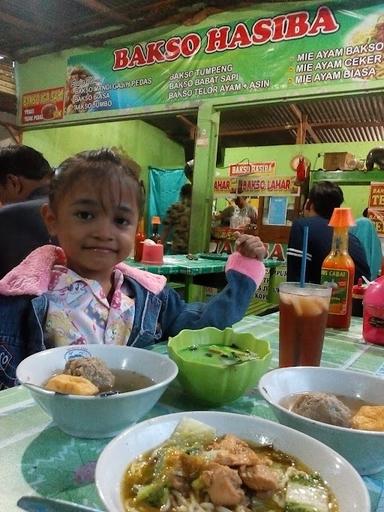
{"points": [[342, 408], [307, 471], [140, 378]]}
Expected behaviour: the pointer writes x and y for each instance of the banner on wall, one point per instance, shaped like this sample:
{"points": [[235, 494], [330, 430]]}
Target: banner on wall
{"points": [[242, 52], [376, 195], [46, 105], [252, 186], [376, 206], [224, 186], [279, 186], [377, 217], [243, 169]]}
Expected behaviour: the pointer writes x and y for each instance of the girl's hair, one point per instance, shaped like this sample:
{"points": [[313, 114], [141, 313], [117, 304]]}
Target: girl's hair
{"points": [[102, 168]]}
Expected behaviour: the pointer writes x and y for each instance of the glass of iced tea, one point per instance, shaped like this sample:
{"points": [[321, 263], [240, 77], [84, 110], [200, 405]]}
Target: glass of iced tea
{"points": [[303, 318]]}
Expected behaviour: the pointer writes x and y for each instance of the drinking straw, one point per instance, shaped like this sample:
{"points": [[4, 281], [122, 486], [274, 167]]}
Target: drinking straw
{"points": [[304, 257]]}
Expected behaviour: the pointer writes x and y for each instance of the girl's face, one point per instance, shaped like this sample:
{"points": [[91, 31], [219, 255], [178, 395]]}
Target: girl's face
{"points": [[95, 228]]}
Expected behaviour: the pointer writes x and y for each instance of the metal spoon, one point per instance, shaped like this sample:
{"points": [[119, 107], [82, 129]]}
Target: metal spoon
{"points": [[41, 504]]}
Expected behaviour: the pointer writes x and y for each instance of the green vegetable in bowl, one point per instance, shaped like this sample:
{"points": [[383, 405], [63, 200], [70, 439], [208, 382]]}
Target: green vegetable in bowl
{"points": [[226, 355]]}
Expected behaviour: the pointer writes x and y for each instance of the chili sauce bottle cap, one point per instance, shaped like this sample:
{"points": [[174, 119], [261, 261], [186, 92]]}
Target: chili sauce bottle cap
{"points": [[342, 218]]}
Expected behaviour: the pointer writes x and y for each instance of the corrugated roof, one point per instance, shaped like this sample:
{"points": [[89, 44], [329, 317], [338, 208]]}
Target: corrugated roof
{"points": [[342, 119]]}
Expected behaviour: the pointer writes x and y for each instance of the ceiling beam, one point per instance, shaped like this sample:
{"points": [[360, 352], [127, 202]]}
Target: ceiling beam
{"points": [[312, 133], [308, 126], [23, 25], [345, 124], [253, 131], [13, 130], [190, 126], [100, 8]]}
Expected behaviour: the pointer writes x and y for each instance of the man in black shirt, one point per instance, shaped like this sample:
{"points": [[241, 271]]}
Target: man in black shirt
{"points": [[323, 197], [24, 180]]}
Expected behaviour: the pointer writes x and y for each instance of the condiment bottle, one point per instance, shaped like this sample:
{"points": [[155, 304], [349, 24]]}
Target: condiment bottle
{"points": [[338, 270], [155, 229], [358, 291], [373, 312], [139, 239]]}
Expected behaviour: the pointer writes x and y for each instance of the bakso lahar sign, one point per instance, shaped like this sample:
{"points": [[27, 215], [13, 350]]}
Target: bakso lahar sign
{"points": [[257, 50], [256, 186]]}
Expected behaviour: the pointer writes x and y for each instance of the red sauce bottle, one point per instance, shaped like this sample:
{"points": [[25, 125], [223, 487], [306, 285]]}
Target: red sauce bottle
{"points": [[156, 237], [338, 270], [139, 239]]}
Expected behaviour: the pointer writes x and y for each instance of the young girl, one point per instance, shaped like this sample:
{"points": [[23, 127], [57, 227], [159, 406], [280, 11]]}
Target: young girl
{"points": [[80, 292]]}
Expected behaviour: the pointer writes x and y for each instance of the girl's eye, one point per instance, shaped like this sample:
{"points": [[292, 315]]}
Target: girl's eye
{"points": [[84, 215], [121, 221]]}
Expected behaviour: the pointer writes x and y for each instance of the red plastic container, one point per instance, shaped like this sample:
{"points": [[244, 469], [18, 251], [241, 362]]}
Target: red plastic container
{"points": [[373, 312]]}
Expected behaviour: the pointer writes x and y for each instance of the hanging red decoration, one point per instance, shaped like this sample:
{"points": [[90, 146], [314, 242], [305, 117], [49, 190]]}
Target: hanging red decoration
{"points": [[301, 169]]}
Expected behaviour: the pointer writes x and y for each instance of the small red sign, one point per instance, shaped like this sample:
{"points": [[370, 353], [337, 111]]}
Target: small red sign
{"points": [[242, 169], [376, 197], [377, 216], [46, 105]]}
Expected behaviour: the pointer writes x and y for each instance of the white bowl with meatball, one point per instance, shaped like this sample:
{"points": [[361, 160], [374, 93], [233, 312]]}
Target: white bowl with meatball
{"points": [[342, 408], [96, 391], [212, 461]]}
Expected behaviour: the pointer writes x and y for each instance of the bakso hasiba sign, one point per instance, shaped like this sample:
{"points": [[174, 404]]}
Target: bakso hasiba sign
{"points": [[295, 47], [242, 169]]}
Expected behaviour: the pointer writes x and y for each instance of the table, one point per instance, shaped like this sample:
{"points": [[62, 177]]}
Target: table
{"points": [[36, 458], [190, 268]]}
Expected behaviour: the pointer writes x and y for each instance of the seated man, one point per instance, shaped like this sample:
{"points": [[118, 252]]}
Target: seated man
{"points": [[24, 179], [323, 198], [246, 210]]}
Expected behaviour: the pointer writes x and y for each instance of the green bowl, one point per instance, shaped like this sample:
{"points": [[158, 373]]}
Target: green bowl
{"points": [[217, 380]]}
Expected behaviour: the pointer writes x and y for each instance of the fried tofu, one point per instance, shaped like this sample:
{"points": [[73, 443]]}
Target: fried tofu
{"points": [[71, 385], [369, 417]]}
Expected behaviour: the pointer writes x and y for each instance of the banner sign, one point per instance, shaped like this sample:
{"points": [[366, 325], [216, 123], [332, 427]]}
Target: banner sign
{"points": [[377, 217], [225, 186], [46, 105], [376, 196], [240, 52], [252, 168], [279, 186]]}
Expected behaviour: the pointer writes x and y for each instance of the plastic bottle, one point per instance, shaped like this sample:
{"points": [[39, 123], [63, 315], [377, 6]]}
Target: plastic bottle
{"points": [[139, 239], [373, 312], [155, 229], [338, 270], [358, 291]]}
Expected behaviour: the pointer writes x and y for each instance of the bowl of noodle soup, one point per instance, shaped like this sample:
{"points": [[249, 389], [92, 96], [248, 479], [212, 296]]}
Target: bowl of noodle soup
{"points": [[344, 484]]}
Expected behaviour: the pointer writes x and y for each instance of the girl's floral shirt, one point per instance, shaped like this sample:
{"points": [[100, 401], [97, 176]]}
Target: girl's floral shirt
{"points": [[79, 311]]}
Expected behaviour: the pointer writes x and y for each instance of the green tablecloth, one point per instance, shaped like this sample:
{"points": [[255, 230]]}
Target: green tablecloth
{"points": [[36, 458], [180, 264]]}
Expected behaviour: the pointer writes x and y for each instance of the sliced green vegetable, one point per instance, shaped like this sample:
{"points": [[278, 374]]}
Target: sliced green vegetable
{"points": [[306, 493], [156, 493]]}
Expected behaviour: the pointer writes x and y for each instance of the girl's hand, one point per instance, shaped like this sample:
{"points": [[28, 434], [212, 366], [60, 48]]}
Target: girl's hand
{"points": [[250, 246]]}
